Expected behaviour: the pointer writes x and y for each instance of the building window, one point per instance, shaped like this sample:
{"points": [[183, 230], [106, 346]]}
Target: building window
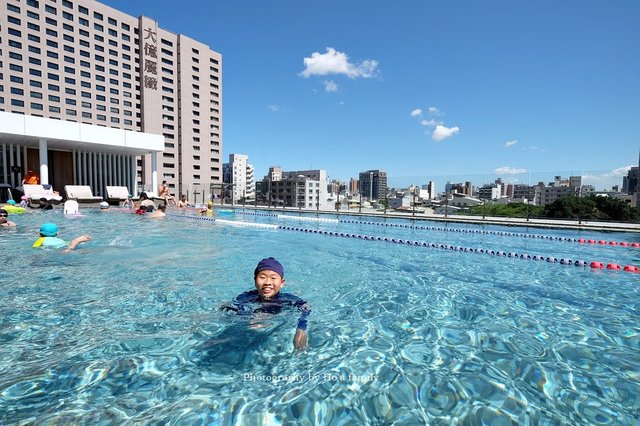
{"points": [[17, 102], [71, 112]]}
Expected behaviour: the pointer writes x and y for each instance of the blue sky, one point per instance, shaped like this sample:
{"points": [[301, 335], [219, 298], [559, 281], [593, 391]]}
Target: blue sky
{"points": [[424, 89]]}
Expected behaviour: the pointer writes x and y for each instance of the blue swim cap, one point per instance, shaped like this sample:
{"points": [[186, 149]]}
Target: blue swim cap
{"points": [[49, 230], [13, 203], [269, 264]]}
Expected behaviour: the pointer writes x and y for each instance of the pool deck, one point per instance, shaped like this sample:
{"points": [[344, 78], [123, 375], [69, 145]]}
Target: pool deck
{"points": [[476, 220]]}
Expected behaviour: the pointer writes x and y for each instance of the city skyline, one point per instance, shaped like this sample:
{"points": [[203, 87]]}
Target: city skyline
{"points": [[424, 89]]}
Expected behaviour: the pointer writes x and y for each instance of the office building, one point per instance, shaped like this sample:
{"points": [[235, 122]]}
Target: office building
{"points": [[373, 184], [84, 62]]}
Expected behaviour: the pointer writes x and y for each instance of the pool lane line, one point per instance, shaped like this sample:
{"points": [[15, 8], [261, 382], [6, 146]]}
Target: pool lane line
{"points": [[598, 243], [523, 256], [226, 222], [307, 219]]}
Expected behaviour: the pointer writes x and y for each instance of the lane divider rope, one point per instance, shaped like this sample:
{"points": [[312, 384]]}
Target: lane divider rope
{"points": [[524, 256], [595, 242]]}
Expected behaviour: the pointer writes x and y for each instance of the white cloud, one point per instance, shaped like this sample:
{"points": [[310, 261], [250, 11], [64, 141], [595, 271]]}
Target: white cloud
{"points": [[442, 132], [416, 112], [506, 170], [273, 107], [606, 180], [507, 144], [430, 123], [434, 111], [330, 86], [334, 62], [533, 148]]}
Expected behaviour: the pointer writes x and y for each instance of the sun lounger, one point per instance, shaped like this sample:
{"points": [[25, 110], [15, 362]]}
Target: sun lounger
{"points": [[82, 194], [118, 194], [35, 193]]}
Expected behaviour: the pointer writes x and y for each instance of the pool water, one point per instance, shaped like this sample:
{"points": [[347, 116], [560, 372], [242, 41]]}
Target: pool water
{"points": [[128, 328]]}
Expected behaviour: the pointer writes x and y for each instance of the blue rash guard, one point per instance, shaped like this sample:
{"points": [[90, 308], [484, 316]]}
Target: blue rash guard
{"points": [[251, 302]]}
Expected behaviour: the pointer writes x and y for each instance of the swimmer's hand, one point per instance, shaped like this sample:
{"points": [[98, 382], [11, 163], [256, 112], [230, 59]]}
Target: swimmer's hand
{"points": [[300, 339], [73, 244]]}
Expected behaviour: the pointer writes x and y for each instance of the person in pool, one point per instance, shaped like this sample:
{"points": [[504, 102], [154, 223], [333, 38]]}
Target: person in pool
{"points": [[128, 203], [183, 203], [266, 298], [160, 213], [4, 219], [49, 239], [145, 203]]}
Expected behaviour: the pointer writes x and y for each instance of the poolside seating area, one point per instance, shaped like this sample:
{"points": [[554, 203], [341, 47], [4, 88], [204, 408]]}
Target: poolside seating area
{"points": [[118, 194], [82, 194]]}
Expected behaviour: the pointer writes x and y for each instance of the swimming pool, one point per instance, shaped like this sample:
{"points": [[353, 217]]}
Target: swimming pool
{"points": [[128, 328]]}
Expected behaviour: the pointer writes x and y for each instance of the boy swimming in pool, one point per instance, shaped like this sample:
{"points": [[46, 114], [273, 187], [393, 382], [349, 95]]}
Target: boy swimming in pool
{"points": [[49, 239], [267, 299]]}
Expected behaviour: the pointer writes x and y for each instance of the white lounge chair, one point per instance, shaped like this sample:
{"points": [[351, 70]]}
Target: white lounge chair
{"points": [[118, 193], [71, 207], [35, 193], [82, 194]]}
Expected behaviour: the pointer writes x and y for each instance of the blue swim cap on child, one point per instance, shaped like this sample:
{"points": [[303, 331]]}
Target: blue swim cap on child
{"points": [[49, 230], [269, 264]]}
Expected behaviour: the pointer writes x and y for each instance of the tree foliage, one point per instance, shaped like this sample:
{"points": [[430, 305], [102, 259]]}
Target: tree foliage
{"points": [[591, 208], [584, 208], [508, 210]]}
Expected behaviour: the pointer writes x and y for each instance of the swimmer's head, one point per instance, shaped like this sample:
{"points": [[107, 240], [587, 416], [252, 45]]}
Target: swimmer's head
{"points": [[49, 230], [269, 264], [269, 277]]}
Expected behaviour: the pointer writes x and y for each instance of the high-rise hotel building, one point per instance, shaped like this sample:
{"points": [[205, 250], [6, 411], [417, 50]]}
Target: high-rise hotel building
{"points": [[82, 61]]}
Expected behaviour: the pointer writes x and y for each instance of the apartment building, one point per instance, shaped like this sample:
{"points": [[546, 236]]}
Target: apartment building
{"points": [[302, 189], [84, 62], [240, 175]]}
